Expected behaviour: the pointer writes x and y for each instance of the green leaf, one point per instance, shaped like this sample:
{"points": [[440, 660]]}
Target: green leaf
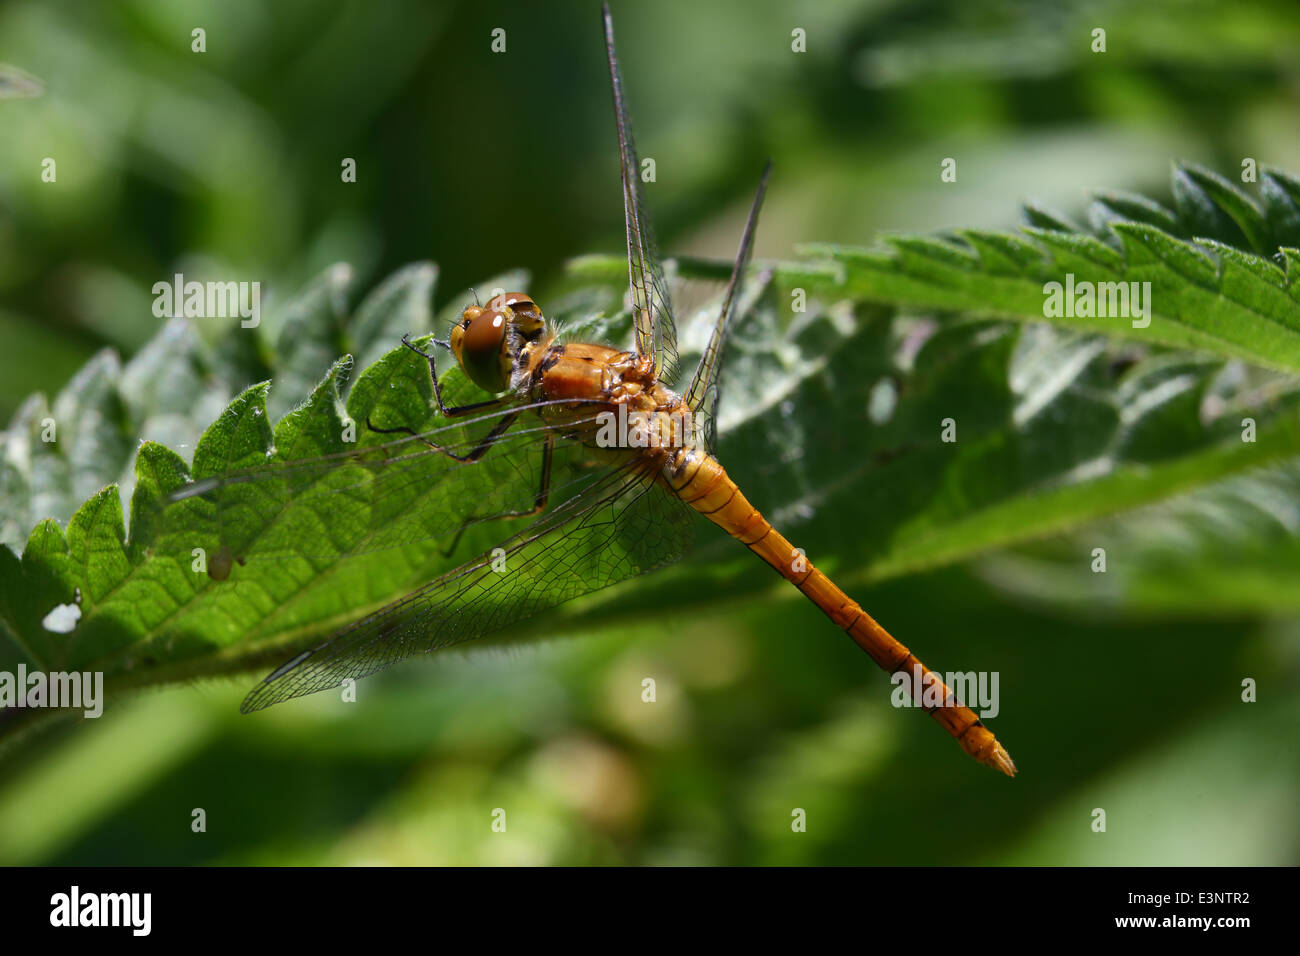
{"points": [[1042, 218], [836, 420], [1129, 207], [398, 306], [310, 337], [1213, 285], [1280, 195], [1232, 547]]}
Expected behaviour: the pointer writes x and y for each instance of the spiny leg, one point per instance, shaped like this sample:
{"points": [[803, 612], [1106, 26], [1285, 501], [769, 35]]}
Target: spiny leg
{"points": [[539, 502], [481, 449], [475, 454], [447, 412]]}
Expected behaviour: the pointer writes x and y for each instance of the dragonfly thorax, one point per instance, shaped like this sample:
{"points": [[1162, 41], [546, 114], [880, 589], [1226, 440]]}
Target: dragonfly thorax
{"points": [[489, 341]]}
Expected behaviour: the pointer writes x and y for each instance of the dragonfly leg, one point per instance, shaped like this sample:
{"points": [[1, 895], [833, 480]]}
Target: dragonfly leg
{"points": [[447, 411], [539, 502], [477, 452]]}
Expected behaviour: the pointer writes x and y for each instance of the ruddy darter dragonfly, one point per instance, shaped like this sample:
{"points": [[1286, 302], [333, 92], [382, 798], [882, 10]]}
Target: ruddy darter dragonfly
{"points": [[599, 511]]}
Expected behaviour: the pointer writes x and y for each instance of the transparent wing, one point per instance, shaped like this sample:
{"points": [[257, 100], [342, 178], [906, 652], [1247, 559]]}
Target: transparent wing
{"points": [[18, 84], [702, 397], [656, 335], [396, 492], [623, 525]]}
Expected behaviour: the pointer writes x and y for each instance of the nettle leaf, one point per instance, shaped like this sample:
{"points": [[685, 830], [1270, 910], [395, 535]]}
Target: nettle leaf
{"points": [[1220, 278], [310, 337], [399, 305], [1232, 547], [883, 442]]}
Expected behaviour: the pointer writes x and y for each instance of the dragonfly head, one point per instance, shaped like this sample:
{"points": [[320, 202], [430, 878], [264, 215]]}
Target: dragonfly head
{"points": [[488, 339]]}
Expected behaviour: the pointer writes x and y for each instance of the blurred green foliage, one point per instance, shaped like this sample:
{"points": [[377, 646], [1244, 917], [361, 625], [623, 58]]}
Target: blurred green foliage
{"points": [[227, 163]]}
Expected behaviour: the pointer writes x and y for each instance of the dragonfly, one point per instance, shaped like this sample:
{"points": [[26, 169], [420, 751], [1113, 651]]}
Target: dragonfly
{"points": [[586, 448]]}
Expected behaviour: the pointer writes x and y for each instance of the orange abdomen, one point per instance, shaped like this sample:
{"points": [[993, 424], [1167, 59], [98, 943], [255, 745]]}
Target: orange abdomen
{"points": [[703, 484]]}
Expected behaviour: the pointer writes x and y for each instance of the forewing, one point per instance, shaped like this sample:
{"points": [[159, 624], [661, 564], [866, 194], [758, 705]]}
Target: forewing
{"points": [[399, 491], [656, 335], [623, 525], [18, 84], [702, 397]]}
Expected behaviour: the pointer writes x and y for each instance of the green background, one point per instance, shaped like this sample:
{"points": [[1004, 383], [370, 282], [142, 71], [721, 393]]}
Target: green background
{"points": [[228, 161]]}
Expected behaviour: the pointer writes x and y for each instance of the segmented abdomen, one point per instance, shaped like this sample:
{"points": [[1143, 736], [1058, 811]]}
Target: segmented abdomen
{"points": [[701, 482]]}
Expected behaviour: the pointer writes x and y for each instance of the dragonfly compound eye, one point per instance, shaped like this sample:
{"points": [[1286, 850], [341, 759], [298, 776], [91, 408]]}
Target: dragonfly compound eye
{"points": [[523, 312], [480, 344]]}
